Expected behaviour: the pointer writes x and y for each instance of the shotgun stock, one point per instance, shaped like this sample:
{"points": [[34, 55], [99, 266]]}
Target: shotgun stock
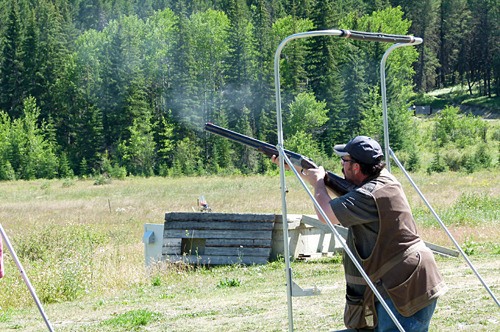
{"points": [[334, 182]]}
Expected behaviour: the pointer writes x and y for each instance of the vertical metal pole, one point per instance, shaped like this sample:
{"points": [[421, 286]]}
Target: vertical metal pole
{"points": [[384, 96], [25, 277], [389, 153], [286, 250]]}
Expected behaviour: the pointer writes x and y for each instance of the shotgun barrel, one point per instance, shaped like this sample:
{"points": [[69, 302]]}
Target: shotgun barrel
{"points": [[334, 182]]}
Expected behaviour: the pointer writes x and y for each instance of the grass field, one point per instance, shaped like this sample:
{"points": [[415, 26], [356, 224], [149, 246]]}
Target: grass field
{"points": [[81, 247]]}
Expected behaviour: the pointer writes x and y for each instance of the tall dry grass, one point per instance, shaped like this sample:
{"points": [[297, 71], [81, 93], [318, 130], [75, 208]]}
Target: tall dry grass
{"points": [[77, 239]]}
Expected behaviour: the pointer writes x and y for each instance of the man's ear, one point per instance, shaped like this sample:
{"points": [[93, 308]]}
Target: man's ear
{"points": [[356, 168]]}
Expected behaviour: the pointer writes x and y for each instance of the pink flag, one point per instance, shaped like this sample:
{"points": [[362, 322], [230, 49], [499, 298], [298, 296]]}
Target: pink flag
{"points": [[1, 258]]}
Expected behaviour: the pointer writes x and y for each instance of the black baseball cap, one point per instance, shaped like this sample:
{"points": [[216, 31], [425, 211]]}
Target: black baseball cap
{"points": [[364, 149]]}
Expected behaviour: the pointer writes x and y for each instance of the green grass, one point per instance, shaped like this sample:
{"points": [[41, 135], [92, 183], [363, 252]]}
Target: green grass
{"points": [[224, 283], [469, 209], [80, 245], [132, 320]]}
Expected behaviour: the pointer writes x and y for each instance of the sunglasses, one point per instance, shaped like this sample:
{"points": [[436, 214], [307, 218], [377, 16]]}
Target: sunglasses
{"points": [[347, 160]]}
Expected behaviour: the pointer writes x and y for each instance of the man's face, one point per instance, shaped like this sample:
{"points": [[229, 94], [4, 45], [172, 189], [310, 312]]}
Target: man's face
{"points": [[347, 163]]}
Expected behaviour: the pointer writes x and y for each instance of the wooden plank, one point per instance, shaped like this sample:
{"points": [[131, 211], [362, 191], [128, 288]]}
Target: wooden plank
{"points": [[239, 242], [220, 225], [171, 246], [170, 251], [227, 238], [196, 216], [343, 232], [217, 234], [172, 242], [442, 250], [235, 251], [314, 221]]}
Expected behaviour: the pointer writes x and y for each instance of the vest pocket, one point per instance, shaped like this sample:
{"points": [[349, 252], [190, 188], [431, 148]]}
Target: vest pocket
{"points": [[404, 289], [355, 314]]}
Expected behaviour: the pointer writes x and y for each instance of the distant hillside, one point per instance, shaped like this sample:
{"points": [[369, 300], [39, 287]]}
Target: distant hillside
{"points": [[478, 110], [488, 108]]}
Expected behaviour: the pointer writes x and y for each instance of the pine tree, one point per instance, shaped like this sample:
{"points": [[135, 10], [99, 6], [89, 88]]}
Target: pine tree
{"points": [[11, 68], [424, 18], [324, 71], [114, 94], [263, 87], [293, 72], [483, 43], [50, 62], [362, 78], [218, 150], [121, 72], [245, 157], [88, 143], [158, 59], [92, 14], [241, 73], [33, 144], [209, 32], [187, 159], [165, 143], [300, 8], [32, 78], [357, 86], [138, 151], [454, 31], [184, 96], [76, 95], [7, 172]]}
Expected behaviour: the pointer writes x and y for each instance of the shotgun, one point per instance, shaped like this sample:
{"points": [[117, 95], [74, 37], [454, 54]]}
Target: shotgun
{"points": [[334, 182]]}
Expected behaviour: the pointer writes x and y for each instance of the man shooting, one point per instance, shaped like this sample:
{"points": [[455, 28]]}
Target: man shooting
{"points": [[383, 237]]}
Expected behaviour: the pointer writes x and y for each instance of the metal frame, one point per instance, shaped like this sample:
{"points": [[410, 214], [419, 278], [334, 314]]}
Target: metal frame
{"points": [[464, 255], [406, 41], [400, 41], [389, 152]]}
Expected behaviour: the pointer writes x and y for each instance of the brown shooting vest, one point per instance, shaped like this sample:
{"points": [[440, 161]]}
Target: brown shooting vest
{"points": [[400, 265]]}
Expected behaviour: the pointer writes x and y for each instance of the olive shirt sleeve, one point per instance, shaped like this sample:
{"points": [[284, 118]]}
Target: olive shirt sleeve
{"points": [[358, 212], [357, 207]]}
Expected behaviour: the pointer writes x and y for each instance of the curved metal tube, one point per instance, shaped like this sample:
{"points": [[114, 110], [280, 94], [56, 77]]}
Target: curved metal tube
{"points": [[384, 95], [464, 255], [286, 250], [389, 153]]}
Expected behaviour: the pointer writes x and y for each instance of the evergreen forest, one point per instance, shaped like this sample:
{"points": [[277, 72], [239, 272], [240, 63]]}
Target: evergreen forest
{"points": [[124, 87]]}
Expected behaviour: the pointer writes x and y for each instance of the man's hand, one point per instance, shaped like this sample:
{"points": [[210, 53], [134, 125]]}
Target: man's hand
{"points": [[276, 160], [316, 178], [313, 176]]}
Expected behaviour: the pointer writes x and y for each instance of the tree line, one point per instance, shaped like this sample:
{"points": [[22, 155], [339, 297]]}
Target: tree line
{"points": [[124, 87]]}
